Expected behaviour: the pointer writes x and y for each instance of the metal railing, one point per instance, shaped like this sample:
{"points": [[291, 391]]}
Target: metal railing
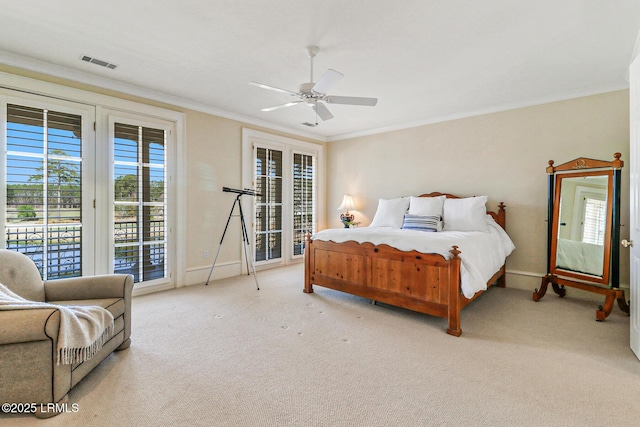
{"points": [[61, 247]]}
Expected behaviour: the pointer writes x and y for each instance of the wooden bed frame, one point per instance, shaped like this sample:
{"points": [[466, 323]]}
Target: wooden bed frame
{"points": [[426, 283]]}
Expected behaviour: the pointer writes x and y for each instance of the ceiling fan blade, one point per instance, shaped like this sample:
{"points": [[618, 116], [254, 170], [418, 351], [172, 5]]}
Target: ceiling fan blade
{"points": [[277, 107], [327, 81], [277, 89], [322, 111], [351, 100]]}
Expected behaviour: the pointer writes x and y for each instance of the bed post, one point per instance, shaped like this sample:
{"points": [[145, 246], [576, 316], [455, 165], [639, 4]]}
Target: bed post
{"points": [[502, 221], [308, 265], [454, 293], [502, 217]]}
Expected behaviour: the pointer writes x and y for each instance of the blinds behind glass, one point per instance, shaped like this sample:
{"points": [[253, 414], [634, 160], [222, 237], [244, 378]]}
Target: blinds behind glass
{"points": [[140, 220], [44, 188]]}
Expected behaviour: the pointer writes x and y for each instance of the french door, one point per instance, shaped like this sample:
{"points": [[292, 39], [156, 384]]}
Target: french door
{"points": [[285, 209], [48, 183], [139, 198], [268, 204], [285, 178], [304, 199], [74, 212]]}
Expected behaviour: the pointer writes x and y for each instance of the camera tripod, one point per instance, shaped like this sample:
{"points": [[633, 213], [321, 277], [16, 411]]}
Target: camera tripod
{"points": [[245, 237]]}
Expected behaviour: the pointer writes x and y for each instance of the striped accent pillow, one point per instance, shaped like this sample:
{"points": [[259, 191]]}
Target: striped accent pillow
{"points": [[422, 222]]}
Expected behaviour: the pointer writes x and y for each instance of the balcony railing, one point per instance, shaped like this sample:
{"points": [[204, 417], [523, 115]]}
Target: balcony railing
{"points": [[62, 248]]}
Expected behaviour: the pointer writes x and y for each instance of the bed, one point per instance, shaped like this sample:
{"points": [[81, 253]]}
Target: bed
{"points": [[580, 257], [438, 276]]}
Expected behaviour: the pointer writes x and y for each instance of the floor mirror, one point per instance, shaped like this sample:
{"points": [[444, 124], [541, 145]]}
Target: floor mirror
{"points": [[584, 230]]}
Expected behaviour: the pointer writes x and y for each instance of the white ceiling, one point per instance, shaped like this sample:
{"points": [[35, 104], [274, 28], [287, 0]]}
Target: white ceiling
{"points": [[425, 60]]}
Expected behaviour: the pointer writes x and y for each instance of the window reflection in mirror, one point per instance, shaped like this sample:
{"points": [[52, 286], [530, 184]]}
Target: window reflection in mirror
{"points": [[581, 225]]}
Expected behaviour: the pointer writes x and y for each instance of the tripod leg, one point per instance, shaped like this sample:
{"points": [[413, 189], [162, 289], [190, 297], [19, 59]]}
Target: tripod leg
{"points": [[222, 239], [247, 246], [214, 263]]}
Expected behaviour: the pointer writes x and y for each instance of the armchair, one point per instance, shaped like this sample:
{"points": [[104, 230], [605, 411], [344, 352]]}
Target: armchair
{"points": [[28, 337]]}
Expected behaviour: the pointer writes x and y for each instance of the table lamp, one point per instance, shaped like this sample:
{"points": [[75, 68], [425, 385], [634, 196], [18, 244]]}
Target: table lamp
{"points": [[346, 217]]}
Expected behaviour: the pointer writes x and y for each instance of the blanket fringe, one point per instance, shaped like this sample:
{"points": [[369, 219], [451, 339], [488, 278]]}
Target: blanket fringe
{"points": [[69, 356]]}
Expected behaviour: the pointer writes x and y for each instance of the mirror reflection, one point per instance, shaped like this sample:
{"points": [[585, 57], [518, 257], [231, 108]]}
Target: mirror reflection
{"points": [[582, 224]]}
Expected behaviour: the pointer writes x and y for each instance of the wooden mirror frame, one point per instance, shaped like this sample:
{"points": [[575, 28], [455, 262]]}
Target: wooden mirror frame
{"points": [[608, 284], [555, 228]]}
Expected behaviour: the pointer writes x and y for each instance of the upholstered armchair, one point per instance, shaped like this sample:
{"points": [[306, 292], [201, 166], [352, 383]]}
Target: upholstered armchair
{"points": [[29, 372]]}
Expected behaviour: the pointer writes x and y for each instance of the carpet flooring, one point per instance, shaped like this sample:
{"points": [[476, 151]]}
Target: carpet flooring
{"points": [[229, 355]]}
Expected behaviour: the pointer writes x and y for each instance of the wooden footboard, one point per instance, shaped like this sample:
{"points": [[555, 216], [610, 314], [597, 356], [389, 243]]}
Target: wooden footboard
{"points": [[427, 283]]}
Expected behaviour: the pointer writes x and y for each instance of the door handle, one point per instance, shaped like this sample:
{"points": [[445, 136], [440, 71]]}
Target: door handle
{"points": [[626, 243]]}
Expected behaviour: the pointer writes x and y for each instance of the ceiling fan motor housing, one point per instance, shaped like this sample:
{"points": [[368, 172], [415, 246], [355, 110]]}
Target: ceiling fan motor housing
{"points": [[305, 88]]}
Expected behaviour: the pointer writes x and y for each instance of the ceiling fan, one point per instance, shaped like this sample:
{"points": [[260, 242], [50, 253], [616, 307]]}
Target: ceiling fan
{"points": [[315, 94]]}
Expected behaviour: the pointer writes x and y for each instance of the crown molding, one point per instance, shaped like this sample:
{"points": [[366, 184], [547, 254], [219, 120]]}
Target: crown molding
{"points": [[129, 89], [66, 73], [482, 111]]}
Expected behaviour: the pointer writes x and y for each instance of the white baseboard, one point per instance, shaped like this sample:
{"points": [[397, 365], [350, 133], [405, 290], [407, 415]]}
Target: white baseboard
{"points": [[518, 279], [525, 279], [526, 273], [198, 275], [143, 290]]}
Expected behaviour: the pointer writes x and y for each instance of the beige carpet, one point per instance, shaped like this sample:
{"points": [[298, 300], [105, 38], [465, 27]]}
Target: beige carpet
{"points": [[229, 355]]}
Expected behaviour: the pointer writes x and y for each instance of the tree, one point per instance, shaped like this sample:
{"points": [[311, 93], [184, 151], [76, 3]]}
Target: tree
{"points": [[26, 211], [126, 190], [59, 174]]}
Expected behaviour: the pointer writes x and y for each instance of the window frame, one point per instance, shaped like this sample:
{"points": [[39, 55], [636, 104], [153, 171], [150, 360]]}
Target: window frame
{"points": [[314, 191], [593, 229], [269, 204], [87, 114], [20, 87], [171, 194], [288, 146]]}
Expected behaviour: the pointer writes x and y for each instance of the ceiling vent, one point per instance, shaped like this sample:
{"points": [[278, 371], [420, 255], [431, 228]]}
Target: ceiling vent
{"points": [[99, 62]]}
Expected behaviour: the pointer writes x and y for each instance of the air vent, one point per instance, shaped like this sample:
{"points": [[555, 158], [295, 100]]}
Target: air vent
{"points": [[99, 62]]}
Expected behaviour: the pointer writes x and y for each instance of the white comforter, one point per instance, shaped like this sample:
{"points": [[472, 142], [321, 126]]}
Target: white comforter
{"points": [[580, 257], [482, 254]]}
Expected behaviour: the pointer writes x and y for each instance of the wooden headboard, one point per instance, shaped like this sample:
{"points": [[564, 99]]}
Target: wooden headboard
{"points": [[499, 217]]}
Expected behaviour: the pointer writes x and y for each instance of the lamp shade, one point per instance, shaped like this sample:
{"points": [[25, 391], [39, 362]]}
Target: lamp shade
{"points": [[347, 203]]}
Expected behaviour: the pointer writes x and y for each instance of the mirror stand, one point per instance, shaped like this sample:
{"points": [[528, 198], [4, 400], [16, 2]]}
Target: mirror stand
{"points": [[611, 294], [584, 231]]}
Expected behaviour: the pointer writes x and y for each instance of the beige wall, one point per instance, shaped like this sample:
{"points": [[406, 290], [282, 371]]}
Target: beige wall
{"points": [[502, 155], [214, 160]]}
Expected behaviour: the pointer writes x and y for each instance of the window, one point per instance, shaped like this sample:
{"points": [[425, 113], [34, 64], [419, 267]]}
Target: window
{"points": [[140, 220], [62, 206], [268, 206], [304, 198], [44, 154], [285, 172], [594, 222]]}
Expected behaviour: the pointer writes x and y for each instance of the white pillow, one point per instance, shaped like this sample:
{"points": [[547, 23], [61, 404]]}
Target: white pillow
{"points": [[426, 206], [466, 214], [390, 212]]}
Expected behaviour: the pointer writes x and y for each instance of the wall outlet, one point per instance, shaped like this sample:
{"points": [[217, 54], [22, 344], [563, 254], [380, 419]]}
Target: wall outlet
{"points": [[205, 254]]}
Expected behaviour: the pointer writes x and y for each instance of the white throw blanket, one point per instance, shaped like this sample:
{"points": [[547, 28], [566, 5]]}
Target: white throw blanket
{"points": [[83, 330]]}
